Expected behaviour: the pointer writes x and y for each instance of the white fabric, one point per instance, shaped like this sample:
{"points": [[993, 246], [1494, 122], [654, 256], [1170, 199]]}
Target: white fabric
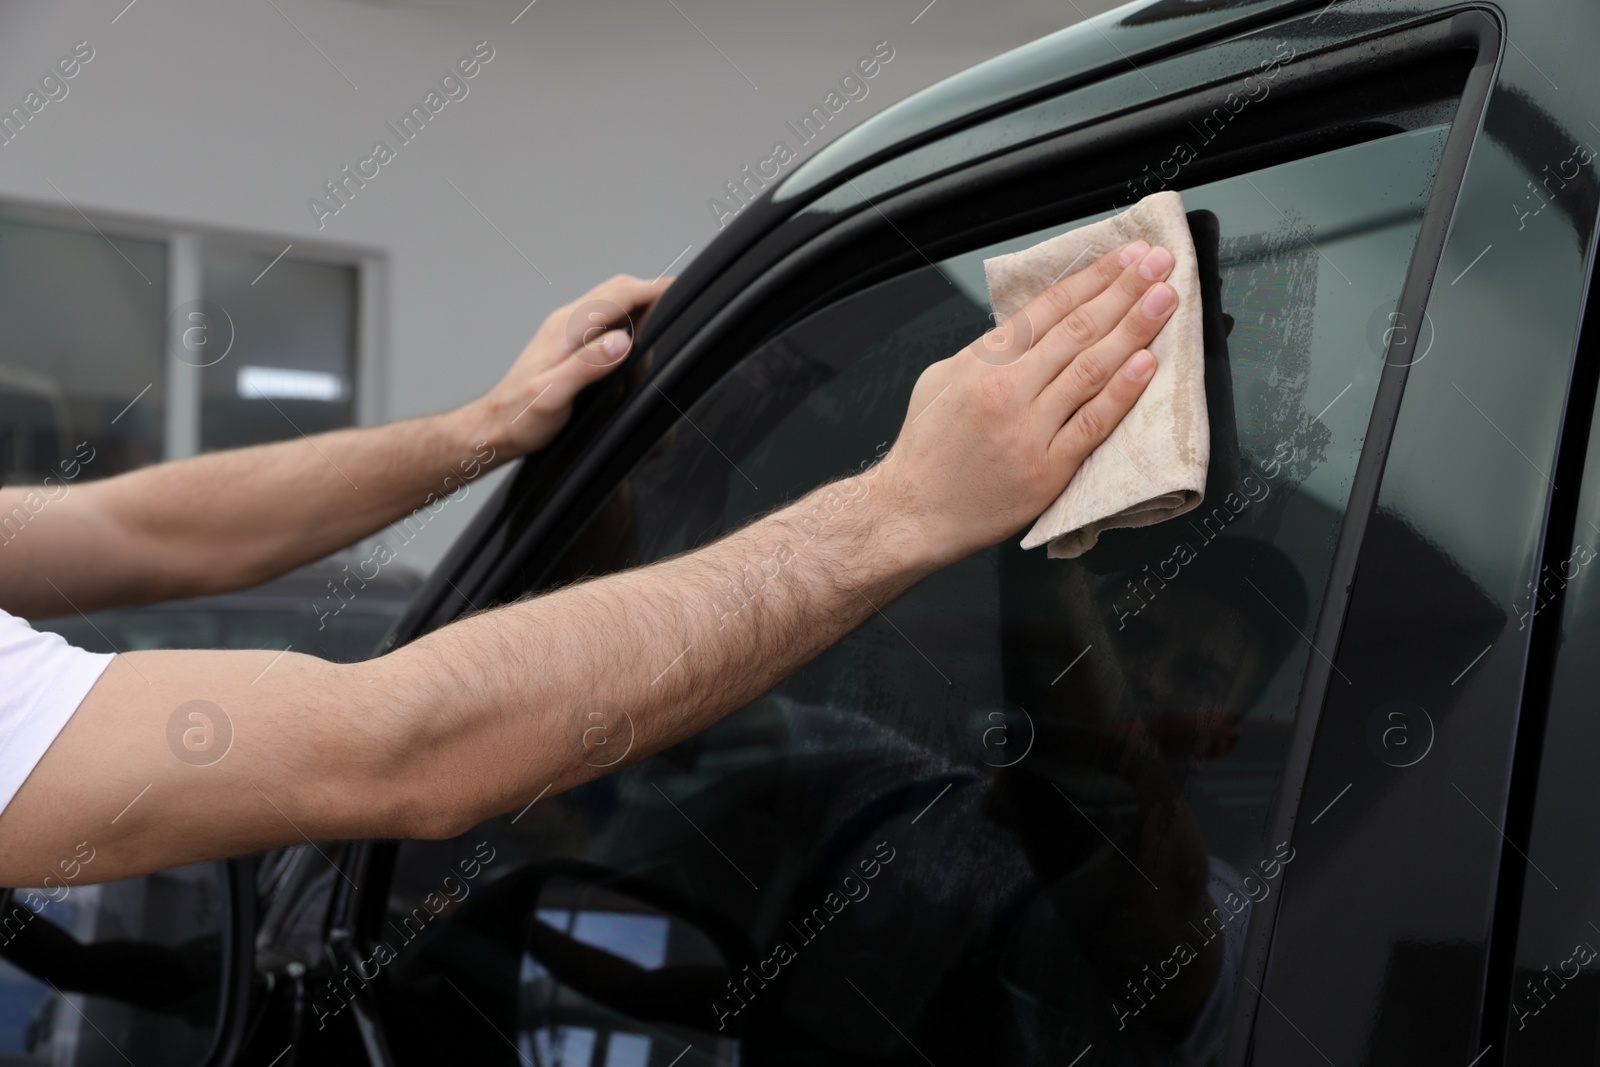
{"points": [[42, 681], [1153, 466]]}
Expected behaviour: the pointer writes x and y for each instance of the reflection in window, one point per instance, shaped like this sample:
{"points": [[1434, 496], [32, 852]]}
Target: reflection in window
{"points": [[136, 966], [640, 939]]}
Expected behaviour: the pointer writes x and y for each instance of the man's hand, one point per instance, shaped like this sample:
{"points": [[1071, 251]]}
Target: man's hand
{"points": [[578, 344], [497, 709], [228, 520], [995, 432]]}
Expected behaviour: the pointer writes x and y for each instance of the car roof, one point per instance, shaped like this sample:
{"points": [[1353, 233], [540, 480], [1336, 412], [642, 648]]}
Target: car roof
{"points": [[1045, 67], [1105, 44]]}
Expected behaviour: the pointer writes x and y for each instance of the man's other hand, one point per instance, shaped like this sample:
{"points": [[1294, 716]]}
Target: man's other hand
{"points": [[488, 714], [994, 433], [577, 344]]}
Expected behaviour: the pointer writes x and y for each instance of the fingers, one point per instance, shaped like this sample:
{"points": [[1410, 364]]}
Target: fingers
{"points": [[1082, 376], [1093, 422], [1096, 318], [575, 346], [1013, 336], [601, 353], [612, 306], [554, 388], [1045, 311], [627, 291], [617, 299]]}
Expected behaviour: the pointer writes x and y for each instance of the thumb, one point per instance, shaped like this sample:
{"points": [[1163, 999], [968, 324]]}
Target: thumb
{"points": [[604, 351]]}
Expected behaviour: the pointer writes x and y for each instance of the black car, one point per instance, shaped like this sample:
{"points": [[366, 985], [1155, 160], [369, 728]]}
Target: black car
{"points": [[334, 609], [1305, 776], [116, 939]]}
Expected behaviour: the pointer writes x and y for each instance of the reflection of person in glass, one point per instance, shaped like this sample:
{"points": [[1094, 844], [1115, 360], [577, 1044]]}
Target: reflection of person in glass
{"points": [[179, 980], [1045, 936], [1134, 893], [1088, 893]]}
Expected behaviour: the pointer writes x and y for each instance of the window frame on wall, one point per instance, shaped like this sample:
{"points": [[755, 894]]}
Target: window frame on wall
{"points": [[186, 249], [84, 335]]}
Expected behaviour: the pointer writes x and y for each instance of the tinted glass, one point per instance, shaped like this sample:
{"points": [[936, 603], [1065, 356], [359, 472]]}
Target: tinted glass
{"points": [[1020, 812], [352, 636], [127, 971], [330, 609]]}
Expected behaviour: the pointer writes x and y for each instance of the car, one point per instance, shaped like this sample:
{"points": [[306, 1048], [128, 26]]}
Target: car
{"points": [[337, 609], [136, 942], [1302, 777]]}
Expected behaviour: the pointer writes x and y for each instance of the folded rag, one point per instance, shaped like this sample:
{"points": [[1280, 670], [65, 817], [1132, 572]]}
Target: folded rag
{"points": [[1153, 465]]}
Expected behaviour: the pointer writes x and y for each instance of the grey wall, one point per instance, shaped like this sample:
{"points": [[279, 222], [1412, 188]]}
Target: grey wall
{"points": [[591, 141]]}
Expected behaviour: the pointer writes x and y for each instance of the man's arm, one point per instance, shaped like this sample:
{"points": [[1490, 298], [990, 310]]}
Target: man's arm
{"points": [[486, 714], [233, 519]]}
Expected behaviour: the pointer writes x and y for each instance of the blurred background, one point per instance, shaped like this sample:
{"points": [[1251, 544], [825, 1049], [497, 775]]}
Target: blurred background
{"points": [[177, 273], [139, 210], [166, 289]]}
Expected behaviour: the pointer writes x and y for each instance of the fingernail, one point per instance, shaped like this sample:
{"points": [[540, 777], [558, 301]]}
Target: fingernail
{"points": [[1132, 252], [1158, 300], [1140, 367], [1156, 264], [616, 343]]}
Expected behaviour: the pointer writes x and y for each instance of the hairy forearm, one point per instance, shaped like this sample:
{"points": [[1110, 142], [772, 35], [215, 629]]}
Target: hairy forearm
{"points": [[491, 711], [296, 501], [550, 692], [233, 519], [227, 520], [477, 718]]}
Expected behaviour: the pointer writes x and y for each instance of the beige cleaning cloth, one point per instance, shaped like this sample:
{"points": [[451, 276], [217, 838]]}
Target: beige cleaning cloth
{"points": [[1153, 466]]}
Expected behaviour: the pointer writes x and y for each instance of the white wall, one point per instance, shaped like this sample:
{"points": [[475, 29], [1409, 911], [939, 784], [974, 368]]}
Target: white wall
{"points": [[592, 139]]}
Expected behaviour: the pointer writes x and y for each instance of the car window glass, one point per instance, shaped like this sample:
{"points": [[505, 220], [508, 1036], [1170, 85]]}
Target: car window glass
{"points": [[1021, 811], [118, 971], [335, 609]]}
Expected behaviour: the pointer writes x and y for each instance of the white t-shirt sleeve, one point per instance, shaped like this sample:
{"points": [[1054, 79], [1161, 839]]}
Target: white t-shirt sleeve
{"points": [[42, 681]]}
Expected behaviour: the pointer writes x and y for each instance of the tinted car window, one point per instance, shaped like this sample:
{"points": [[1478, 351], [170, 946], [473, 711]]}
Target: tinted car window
{"points": [[120, 971], [1021, 811], [337, 609], [239, 624]]}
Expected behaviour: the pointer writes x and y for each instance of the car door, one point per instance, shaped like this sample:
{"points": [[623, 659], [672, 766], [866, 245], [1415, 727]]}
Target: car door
{"points": [[1546, 1002], [155, 969], [1145, 807], [1544, 1005]]}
